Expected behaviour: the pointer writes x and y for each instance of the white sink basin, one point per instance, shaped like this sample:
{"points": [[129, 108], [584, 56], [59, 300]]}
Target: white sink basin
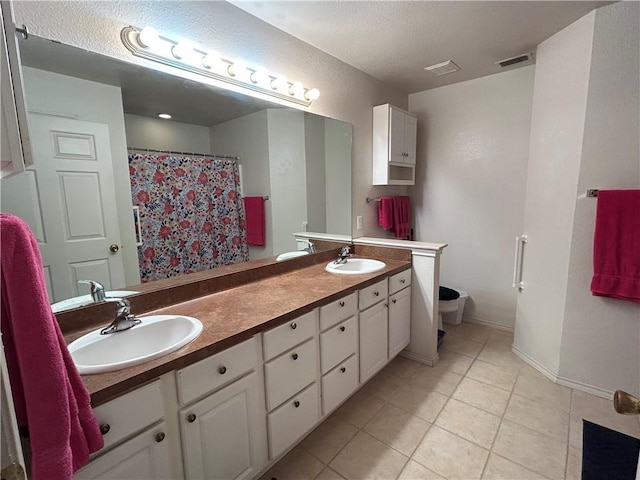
{"points": [[288, 255], [156, 336], [83, 300], [355, 266]]}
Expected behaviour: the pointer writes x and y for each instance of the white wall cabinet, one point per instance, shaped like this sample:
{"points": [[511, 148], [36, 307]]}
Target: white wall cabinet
{"points": [[394, 146], [14, 137], [223, 434]]}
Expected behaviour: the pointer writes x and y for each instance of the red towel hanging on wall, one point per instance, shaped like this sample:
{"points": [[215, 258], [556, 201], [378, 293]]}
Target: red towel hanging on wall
{"points": [[254, 211], [616, 245], [402, 217], [385, 213]]}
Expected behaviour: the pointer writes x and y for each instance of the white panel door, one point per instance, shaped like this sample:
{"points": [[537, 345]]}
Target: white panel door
{"points": [[224, 435], [410, 136], [399, 321], [396, 136], [68, 199], [373, 340]]}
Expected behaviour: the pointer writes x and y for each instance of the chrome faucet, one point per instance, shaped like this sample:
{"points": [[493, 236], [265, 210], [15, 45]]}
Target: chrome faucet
{"points": [[343, 255], [310, 248], [97, 290], [124, 318]]}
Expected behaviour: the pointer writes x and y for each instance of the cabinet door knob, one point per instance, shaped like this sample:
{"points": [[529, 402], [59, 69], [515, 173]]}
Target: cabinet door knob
{"points": [[160, 436], [294, 325], [342, 304], [343, 328], [191, 418], [296, 404], [386, 304], [402, 280], [377, 294], [294, 356], [343, 369], [104, 428], [222, 370], [394, 300]]}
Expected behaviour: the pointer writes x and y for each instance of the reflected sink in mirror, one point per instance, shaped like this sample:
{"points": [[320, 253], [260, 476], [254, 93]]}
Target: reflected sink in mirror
{"points": [[355, 266], [82, 300], [156, 336], [289, 255]]}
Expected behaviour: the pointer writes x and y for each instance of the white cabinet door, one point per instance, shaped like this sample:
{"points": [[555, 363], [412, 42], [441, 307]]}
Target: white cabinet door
{"points": [[145, 457], [410, 136], [396, 136], [223, 435], [373, 340], [399, 321]]}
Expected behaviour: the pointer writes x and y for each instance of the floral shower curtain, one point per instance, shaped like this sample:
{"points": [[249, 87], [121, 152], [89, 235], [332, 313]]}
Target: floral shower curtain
{"points": [[191, 214]]}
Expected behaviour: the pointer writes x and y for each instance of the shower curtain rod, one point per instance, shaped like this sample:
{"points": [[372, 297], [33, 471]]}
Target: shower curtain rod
{"points": [[213, 155]]}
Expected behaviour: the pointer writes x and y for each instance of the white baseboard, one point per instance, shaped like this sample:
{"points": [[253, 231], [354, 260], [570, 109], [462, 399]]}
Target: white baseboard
{"points": [[497, 326], [431, 362], [565, 382]]}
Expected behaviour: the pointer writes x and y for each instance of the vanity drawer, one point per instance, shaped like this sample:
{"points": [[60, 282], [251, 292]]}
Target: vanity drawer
{"points": [[216, 371], [292, 420], [284, 337], [400, 280], [337, 311], [290, 373], [338, 343], [372, 294], [130, 413], [338, 384]]}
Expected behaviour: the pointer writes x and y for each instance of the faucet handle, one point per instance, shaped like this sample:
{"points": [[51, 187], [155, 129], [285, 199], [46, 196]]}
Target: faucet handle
{"points": [[97, 290], [345, 251]]}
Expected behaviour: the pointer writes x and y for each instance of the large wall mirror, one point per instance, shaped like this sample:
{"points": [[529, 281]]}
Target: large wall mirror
{"points": [[96, 135]]}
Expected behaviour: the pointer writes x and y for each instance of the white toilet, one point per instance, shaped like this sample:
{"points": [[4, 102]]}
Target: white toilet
{"points": [[451, 311]]}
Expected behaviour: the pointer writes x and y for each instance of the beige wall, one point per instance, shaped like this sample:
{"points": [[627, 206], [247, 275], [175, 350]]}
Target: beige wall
{"points": [[346, 93]]}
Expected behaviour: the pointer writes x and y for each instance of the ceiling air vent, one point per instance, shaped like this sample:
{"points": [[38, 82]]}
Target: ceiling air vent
{"points": [[513, 60], [443, 68]]}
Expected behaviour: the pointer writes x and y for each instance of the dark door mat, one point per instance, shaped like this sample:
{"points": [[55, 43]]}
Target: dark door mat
{"points": [[607, 454]]}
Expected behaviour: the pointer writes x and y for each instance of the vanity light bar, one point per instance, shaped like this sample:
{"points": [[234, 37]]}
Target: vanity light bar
{"points": [[146, 43]]}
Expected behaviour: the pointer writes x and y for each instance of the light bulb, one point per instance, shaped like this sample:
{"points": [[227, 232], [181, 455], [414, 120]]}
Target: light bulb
{"points": [[296, 90], [312, 94], [279, 83], [181, 50], [148, 38], [260, 76], [210, 60], [236, 69], [164, 116]]}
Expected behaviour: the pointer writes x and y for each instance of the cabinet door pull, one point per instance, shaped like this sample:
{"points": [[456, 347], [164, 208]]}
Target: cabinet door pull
{"points": [[296, 404], [294, 325], [191, 418], [394, 301], [343, 369], [386, 304], [160, 436], [104, 428], [402, 280], [343, 328], [342, 304], [294, 356], [222, 370], [377, 294]]}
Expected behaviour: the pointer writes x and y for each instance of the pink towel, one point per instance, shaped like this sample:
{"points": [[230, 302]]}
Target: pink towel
{"points": [[385, 213], [49, 396], [616, 245], [254, 211], [401, 217]]}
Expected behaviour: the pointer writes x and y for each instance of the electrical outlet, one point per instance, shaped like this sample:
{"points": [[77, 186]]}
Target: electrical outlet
{"points": [[359, 222]]}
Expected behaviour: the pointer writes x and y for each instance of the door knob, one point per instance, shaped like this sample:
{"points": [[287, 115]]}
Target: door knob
{"points": [[113, 248]]}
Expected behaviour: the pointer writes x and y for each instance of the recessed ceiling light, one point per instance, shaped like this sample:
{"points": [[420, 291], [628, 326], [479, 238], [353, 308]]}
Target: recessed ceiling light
{"points": [[443, 68], [164, 116]]}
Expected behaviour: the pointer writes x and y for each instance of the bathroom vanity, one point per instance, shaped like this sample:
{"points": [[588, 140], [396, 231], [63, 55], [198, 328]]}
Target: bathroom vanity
{"points": [[276, 356]]}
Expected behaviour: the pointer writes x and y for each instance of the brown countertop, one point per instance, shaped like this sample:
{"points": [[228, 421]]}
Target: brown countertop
{"points": [[234, 315]]}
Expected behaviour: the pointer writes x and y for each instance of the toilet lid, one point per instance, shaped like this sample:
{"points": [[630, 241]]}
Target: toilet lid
{"points": [[448, 294]]}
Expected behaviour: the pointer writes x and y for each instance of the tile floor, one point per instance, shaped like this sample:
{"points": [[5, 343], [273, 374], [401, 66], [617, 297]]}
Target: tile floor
{"points": [[481, 413]]}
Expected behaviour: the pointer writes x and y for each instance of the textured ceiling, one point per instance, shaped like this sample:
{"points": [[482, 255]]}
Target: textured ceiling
{"points": [[394, 40]]}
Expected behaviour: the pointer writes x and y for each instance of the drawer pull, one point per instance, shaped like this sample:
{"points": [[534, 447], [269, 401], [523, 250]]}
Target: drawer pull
{"points": [[343, 328], [104, 428], [377, 294], [191, 418], [294, 325], [342, 304], [294, 356], [160, 436], [222, 370], [296, 404], [402, 280], [394, 301], [343, 369]]}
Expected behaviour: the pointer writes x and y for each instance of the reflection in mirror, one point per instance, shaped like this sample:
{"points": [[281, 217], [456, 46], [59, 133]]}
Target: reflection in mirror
{"points": [[86, 111]]}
